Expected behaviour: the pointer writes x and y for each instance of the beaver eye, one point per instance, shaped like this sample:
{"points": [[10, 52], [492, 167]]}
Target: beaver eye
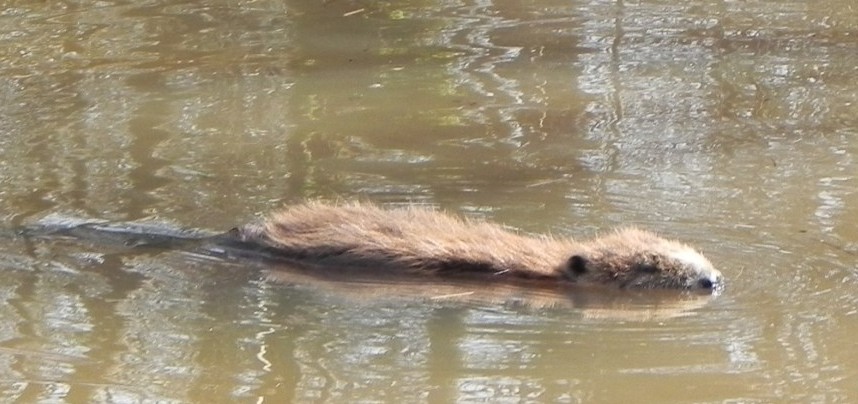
{"points": [[577, 265], [648, 268]]}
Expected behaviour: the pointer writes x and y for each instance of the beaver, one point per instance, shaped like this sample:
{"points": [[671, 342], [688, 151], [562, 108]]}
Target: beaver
{"points": [[412, 239], [430, 242]]}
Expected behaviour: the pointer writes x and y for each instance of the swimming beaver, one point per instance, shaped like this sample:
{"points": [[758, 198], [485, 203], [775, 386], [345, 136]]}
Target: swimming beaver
{"points": [[430, 242], [359, 235]]}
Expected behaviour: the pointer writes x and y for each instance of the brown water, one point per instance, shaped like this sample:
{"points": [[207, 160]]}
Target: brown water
{"points": [[731, 125]]}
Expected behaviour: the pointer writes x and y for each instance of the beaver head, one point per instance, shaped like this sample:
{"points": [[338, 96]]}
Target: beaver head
{"points": [[634, 258]]}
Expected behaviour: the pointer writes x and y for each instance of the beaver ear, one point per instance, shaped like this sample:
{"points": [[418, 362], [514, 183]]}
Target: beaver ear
{"points": [[577, 265]]}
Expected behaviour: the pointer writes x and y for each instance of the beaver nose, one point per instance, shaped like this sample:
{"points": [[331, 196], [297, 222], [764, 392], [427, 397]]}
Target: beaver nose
{"points": [[710, 283]]}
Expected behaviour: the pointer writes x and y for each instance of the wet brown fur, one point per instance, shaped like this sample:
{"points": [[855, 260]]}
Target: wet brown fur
{"points": [[427, 241]]}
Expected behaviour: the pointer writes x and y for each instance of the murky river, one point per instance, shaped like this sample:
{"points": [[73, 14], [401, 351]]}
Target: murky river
{"points": [[732, 125]]}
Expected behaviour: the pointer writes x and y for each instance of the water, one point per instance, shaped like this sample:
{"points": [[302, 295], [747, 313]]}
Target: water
{"points": [[729, 125]]}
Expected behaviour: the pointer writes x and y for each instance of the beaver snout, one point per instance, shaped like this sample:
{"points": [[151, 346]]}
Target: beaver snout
{"points": [[700, 272], [712, 282]]}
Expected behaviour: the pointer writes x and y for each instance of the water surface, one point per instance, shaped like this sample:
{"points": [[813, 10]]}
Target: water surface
{"points": [[729, 125]]}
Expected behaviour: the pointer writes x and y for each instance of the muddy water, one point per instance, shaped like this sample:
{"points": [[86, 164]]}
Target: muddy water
{"points": [[730, 125]]}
